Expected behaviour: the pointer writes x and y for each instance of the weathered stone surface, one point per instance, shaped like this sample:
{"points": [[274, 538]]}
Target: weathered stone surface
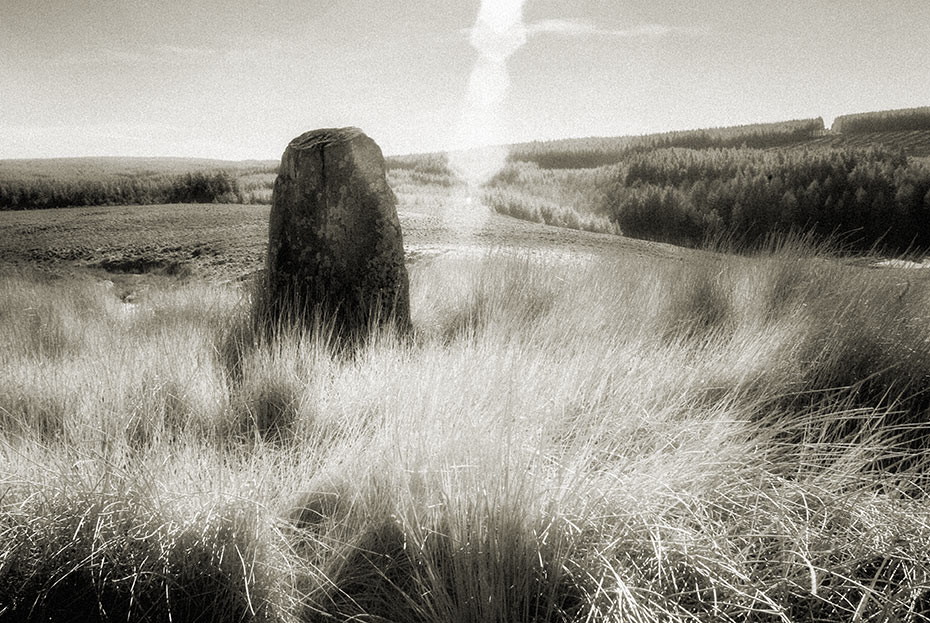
{"points": [[334, 241]]}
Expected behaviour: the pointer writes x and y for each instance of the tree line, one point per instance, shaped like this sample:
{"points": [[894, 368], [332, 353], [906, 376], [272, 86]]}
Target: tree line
{"points": [[904, 119], [596, 151], [869, 197]]}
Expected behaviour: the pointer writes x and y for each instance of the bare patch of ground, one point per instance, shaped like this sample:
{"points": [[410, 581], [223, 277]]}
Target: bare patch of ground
{"points": [[216, 241]]}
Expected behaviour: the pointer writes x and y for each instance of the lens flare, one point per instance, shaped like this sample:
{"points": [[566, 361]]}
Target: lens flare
{"points": [[498, 32]]}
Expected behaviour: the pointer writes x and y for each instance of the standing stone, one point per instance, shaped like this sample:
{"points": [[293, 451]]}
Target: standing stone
{"points": [[335, 249]]}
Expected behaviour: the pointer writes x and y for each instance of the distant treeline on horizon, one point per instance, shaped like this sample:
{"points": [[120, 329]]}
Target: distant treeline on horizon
{"points": [[885, 121], [593, 152]]}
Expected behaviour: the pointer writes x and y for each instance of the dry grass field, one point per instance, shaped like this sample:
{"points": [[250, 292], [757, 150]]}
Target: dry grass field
{"points": [[581, 427]]}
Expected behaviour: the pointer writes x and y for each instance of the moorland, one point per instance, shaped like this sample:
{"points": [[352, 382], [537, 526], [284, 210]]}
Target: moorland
{"points": [[667, 391]]}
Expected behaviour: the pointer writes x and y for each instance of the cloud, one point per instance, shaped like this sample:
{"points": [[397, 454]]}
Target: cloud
{"points": [[568, 28], [170, 55], [580, 28], [102, 56]]}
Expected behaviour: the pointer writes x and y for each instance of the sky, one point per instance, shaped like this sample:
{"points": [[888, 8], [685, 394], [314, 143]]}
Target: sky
{"points": [[237, 79]]}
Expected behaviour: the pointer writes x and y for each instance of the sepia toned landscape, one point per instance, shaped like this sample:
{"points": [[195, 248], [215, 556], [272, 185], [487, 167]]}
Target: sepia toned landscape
{"points": [[648, 375], [582, 426]]}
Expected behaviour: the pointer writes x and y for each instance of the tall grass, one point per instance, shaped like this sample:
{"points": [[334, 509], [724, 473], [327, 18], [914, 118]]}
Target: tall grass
{"points": [[639, 441]]}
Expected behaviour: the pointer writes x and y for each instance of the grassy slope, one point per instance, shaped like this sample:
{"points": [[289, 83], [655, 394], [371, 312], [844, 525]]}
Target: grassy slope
{"points": [[587, 198], [649, 441], [61, 182], [77, 168]]}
